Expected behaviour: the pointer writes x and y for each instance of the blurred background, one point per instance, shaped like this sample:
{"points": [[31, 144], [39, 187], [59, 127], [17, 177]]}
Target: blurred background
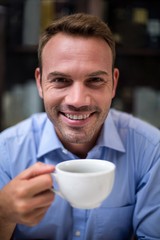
{"points": [[136, 28]]}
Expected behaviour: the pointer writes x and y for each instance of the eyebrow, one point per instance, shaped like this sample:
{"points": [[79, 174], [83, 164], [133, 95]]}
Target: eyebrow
{"points": [[56, 73], [93, 74], [97, 73]]}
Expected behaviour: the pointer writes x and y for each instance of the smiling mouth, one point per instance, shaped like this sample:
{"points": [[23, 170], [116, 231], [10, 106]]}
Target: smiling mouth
{"points": [[76, 116]]}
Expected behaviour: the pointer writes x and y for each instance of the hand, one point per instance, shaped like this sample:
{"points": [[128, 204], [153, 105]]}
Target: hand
{"points": [[27, 197]]}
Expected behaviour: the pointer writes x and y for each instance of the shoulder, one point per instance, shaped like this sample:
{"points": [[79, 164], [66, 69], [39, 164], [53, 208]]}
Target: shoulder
{"points": [[129, 125], [32, 125]]}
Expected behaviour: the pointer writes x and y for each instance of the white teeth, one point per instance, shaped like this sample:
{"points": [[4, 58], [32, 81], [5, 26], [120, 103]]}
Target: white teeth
{"points": [[77, 117]]}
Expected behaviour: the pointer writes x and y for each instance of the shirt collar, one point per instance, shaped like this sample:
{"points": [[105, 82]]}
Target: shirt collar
{"points": [[49, 140], [109, 137]]}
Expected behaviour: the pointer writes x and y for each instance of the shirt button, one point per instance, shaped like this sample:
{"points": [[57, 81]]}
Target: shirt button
{"points": [[77, 233], [64, 151]]}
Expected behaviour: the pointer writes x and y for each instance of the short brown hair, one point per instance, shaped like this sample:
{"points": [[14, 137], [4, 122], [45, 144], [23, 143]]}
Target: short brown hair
{"points": [[79, 24]]}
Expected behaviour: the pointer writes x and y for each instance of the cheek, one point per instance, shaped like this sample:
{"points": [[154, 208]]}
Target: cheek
{"points": [[105, 99], [105, 105], [51, 98]]}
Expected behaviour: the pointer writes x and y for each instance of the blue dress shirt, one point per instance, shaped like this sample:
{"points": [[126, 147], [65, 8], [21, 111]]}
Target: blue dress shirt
{"points": [[132, 206]]}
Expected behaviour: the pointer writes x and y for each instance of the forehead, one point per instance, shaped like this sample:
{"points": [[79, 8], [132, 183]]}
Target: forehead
{"points": [[63, 47], [62, 41]]}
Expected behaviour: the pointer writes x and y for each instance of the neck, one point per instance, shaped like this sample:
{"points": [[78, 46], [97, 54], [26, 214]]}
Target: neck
{"points": [[80, 150]]}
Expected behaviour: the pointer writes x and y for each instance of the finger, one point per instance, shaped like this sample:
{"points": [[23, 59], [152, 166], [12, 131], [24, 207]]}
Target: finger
{"points": [[34, 217], [35, 170], [31, 187], [44, 199], [26, 206]]}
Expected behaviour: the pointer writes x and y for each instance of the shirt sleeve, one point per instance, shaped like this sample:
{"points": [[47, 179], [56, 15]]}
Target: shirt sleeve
{"points": [[4, 163], [146, 219]]}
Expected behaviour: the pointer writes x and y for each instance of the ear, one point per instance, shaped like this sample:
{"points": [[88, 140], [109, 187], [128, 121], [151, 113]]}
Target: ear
{"points": [[39, 82], [115, 81]]}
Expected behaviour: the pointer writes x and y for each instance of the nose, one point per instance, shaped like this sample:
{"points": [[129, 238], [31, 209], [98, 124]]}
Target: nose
{"points": [[78, 95]]}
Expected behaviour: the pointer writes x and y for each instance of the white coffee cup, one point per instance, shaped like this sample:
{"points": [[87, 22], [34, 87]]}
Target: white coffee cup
{"points": [[84, 183]]}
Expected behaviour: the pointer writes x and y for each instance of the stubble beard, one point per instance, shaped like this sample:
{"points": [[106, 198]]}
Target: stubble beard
{"points": [[76, 135], [79, 135]]}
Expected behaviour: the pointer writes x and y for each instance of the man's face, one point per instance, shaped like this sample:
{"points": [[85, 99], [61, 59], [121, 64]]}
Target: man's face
{"points": [[77, 85]]}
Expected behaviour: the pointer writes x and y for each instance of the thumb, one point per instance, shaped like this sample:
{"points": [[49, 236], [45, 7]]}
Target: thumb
{"points": [[36, 170]]}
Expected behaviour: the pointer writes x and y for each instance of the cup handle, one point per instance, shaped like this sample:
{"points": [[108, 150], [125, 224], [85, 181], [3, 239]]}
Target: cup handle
{"points": [[53, 189]]}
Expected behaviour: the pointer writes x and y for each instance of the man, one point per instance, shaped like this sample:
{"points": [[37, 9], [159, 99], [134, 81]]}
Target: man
{"points": [[77, 81]]}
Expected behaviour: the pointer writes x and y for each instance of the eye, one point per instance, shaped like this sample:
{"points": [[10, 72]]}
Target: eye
{"points": [[60, 82], [95, 81]]}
